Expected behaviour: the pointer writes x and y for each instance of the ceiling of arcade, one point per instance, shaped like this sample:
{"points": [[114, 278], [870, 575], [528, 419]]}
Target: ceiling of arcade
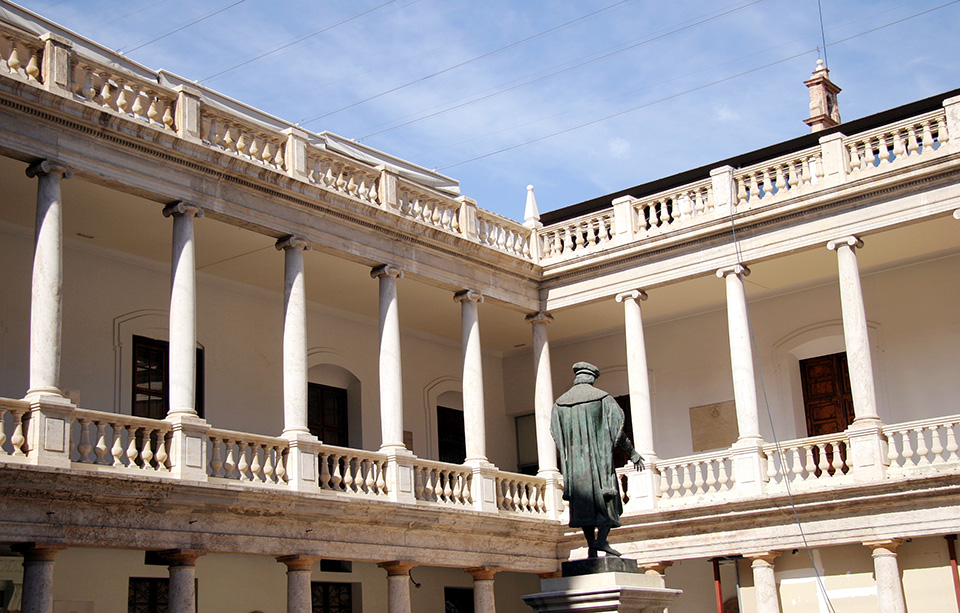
{"points": [[111, 219]]}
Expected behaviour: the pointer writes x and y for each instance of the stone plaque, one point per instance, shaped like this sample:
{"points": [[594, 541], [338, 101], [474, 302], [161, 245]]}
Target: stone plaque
{"points": [[194, 452], [307, 470], [406, 479], [714, 426]]}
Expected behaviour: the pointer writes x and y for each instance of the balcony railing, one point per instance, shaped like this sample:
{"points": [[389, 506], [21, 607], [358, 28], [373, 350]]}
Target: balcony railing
{"points": [[152, 106]]}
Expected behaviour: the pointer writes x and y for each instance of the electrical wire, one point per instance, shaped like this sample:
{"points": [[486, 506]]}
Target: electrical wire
{"points": [[183, 27], [300, 40], [823, 37], [576, 66], [470, 61], [687, 91]]}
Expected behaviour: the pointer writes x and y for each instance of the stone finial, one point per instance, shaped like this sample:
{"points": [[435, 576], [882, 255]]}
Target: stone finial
{"points": [[531, 215], [824, 109]]}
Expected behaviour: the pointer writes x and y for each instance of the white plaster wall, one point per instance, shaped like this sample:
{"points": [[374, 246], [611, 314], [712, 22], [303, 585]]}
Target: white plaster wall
{"points": [[240, 328], [915, 336]]}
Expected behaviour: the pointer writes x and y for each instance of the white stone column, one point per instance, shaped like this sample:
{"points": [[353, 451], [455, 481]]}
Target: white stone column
{"points": [[543, 395], [765, 581], [294, 336], [182, 567], [638, 379], [183, 311], [855, 335], [299, 573], [887, 571], [741, 354], [398, 585], [46, 309], [483, 593], [391, 383], [473, 406], [37, 576]]}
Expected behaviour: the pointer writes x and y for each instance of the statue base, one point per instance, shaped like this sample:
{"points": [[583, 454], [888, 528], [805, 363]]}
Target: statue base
{"points": [[613, 585]]}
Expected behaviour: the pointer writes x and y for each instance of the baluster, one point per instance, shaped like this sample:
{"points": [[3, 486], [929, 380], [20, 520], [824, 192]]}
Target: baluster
{"points": [[381, 482], [457, 488], [665, 483], [153, 109], [438, 476], [3, 428], [913, 146], [132, 452], [839, 458], [687, 478], [167, 118], [722, 479], [336, 480], [137, 108], [898, 146], [854, 157], [161, 454], [328, 180], [229, 464], [884, 150], [823, 463], [267, 463], [922, 458], [907, 448], [499, 489], [771, 465], [892, 453], [698, 477], [254, 149], [742, 189], [13, 60], [936, 448], [371, 481], [106, 93], [515, 490], [255, 465], [428, 489], [122, 98], [117, 451], [951, 443], [348, 479], [711, 481], [100, 449], [352, 185], [806, 175], [796, 468], [146, 456], [324, 470], [418, 483], [242, 463], [809, 467], [927, 137], [792, 178], [686, 207], [943, 137], [676, 482], [281, 470], [83, 448], [216, 460], [780, 182], [89, 91], [17, 439]]}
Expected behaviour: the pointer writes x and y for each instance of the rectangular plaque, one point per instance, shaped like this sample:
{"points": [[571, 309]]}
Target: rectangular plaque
{"points": [[307, 470], [53, 439], [194, 447], [714, 426]]}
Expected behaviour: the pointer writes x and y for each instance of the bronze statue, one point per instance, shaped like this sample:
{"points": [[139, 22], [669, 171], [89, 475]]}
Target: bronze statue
{"points": [[587, 424]]}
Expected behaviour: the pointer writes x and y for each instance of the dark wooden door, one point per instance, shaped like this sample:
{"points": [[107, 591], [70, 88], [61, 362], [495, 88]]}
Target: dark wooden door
{"points": [[827, 400]]}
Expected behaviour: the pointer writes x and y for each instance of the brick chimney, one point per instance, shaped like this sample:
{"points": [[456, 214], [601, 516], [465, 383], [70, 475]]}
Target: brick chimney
{"points": [[824, 110]]}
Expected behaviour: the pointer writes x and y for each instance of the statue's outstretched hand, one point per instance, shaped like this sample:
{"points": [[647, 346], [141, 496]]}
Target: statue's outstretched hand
{"points": [[637, 460]]}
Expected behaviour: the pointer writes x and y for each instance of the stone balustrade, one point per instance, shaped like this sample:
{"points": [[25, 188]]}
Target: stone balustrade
{"points": [[443, 484], [246, 457], [118, 442], [905, 141], [12, 433], [816, 458], [352, 471], [21, 56], [690, 478], [914, 446], [521, 494], [104, 81]]}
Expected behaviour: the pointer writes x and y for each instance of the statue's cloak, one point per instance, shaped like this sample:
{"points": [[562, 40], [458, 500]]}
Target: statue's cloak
{"points": [[586, 424]]}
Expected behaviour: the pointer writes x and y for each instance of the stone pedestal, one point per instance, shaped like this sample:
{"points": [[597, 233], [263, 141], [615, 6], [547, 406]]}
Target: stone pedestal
{"points": [[602, 585]]}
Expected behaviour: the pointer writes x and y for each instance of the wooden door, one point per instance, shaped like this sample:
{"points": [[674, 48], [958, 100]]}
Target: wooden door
{"points": [[827, 400]]}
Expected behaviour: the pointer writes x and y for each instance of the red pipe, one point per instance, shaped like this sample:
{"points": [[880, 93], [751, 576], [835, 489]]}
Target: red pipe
{"points": [[953, 565], [716, 584]]}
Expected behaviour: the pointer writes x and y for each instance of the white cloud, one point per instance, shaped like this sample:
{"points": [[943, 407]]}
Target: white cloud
{"points": [[618, 147]]}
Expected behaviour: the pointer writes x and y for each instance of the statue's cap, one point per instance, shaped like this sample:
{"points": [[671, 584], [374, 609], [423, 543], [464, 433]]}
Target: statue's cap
{"points": [[586, 368]]}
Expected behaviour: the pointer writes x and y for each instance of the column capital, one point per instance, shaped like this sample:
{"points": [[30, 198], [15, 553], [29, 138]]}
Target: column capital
{"points": [[482, 573], [736, 269], [293, 242], [654, 568], [298, 562], [850, 241], [762, 558], [539, 317], [956, 214], [48, 167], [38, 552], [386, 270], [466, 295], [182, 208], [398, 567], [181, 557], [633, 294], [879, 547]]}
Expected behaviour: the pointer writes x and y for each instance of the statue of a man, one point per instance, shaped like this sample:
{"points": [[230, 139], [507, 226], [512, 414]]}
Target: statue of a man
{"points": [[587, 423]]}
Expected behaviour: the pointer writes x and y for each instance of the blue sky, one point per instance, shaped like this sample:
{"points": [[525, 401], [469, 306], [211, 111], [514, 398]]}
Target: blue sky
{"points": [[578, 98]]}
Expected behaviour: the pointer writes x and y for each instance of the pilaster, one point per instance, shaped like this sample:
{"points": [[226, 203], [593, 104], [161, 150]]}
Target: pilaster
{"points": [[188, 446], [48, 433], [295, 154], [387, 190], [56, 63], [624, 220], [468, 219], [302, 463], [483, 485], [724, 189], [188, 113], [952, 108], [749, 467], [833, 159], [643, 489]]}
